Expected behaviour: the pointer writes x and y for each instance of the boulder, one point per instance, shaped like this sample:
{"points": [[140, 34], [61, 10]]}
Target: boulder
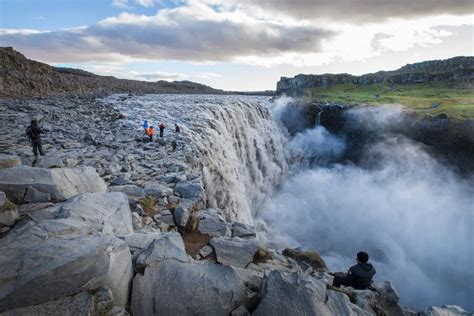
{"points": [[385, 298], [176, 288], [236, 251], [293, 294], [243, 231], [306, 259], [167, 246], [189, 189], [181, 216], [34, 196], [108, 213], [297, 293], [157, 190], [120, 181], [132, 191], [211, 222], [8, 216], [241, 311], [9, 161], [139, 241], [56, 258], [50, 162], [60, 183], [82, 304]]}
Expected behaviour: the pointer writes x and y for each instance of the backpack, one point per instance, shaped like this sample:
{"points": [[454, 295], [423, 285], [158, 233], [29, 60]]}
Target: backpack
{"points": [[30, 132]]}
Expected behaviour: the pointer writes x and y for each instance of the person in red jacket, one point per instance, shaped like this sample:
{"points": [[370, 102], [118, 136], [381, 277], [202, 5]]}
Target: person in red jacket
{"points": [[162, 129], [150, 132]]}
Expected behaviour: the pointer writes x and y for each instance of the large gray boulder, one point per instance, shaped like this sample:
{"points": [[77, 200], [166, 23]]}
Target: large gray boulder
{"points": [[108, 213], [385, 298], [167, 246], [81, 304], [298, 294], [177, 288], [211, 222], [9, 161], [189, 189], [235, 251], [60, 183], [57, 258]]}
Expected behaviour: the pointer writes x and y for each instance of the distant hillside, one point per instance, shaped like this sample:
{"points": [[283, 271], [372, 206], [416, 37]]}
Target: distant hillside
{"points": [[453, 70], [24, 78]]}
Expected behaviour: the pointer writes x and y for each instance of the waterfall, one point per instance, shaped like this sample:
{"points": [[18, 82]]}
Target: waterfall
{"points": [[318, 118], [239, 145]]}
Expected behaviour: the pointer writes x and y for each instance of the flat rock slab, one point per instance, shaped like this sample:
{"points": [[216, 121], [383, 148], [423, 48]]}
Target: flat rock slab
{"points": [[60, 183], [236, 251], [132, 191], [108, 213], [56, 258], [176, 288]]}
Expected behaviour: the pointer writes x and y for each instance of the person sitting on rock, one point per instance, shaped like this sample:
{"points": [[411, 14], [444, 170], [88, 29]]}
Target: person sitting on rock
{"points": [[34, 135], [145, 125], [359, 276], [150, 132], [162, 129]]}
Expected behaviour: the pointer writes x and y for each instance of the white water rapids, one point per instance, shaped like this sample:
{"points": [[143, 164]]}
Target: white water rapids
{"points": [[413, 214]]}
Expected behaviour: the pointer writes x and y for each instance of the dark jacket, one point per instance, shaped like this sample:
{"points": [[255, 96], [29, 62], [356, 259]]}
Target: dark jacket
{"points": [[34, 133], [360, 275]]}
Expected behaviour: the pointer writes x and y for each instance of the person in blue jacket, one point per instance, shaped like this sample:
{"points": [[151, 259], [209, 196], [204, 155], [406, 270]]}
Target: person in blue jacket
{"points": [[145, 125]]}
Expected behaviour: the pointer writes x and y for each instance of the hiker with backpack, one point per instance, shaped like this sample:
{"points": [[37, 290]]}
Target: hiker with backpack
{"points": [[162, 129], [34, 135]]}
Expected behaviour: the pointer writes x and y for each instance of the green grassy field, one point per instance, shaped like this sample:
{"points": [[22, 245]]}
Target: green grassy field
{"points": [[428, 99]]}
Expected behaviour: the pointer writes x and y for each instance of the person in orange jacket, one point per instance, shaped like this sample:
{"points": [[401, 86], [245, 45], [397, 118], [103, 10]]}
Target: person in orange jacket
{"points": [[150, 132], [162, 129]]}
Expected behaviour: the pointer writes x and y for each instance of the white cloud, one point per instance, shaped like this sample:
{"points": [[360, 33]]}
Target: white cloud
{"points": [[120, 3]]}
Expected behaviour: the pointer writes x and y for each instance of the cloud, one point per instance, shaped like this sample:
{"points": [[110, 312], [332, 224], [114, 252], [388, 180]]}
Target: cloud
{"points": [[361, 11], [120, 3], [196, 33]]}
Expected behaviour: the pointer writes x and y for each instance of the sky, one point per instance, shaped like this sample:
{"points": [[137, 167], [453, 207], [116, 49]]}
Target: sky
{"points": [[235, 45]]}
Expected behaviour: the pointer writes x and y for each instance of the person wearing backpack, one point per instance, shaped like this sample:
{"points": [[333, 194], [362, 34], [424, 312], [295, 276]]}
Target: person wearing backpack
{"points": [[34, 135], [162, 129]]}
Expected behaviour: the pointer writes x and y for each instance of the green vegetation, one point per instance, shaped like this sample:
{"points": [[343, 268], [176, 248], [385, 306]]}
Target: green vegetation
{"points": [[430, 99]]}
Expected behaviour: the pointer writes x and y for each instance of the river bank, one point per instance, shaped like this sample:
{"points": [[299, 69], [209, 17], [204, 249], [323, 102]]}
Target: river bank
{"points": [[113, 224]]}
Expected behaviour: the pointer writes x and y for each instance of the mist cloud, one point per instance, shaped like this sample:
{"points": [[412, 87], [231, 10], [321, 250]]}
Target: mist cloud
{"points": [[409, 211]]}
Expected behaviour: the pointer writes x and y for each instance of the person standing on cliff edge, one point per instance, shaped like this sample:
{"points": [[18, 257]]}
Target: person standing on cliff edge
{"points": [[359, 276], [162, 129], [34, 135]]}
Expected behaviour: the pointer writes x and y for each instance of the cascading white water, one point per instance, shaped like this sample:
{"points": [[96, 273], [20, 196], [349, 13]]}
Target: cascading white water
{"points": [[240, 146], [412, 213]]}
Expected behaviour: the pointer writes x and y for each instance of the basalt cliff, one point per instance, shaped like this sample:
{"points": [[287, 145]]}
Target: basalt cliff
{"points": [[457, 69]]}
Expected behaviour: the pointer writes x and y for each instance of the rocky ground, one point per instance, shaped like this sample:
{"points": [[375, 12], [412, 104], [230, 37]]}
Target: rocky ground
{"points": [[110, 224]]}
